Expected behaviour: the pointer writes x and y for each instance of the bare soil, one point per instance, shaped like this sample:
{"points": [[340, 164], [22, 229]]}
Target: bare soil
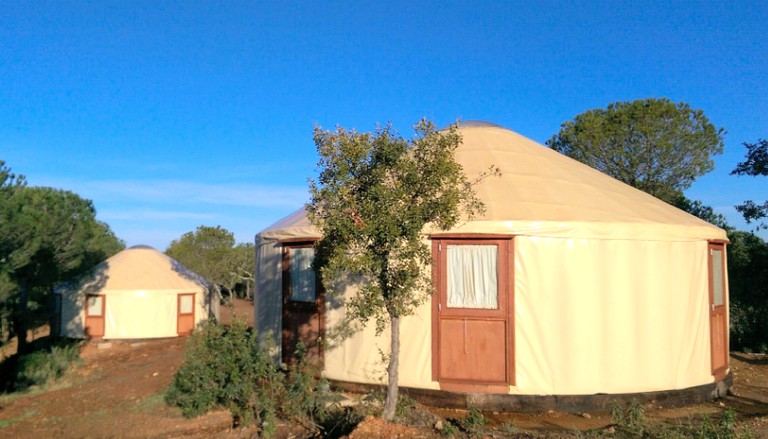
{"points": [[118, 391]]}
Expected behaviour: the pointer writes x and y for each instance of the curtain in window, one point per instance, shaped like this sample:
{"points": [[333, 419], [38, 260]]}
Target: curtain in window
{"points": [[302, 276], [472, 276], [717, 276]]}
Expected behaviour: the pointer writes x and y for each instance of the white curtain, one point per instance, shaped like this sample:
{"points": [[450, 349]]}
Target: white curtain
{"points": [[302, 275], [717, 276], [472, 276]]}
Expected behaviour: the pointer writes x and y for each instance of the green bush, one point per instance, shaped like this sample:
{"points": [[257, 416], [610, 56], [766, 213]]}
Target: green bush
{"points": [[223, 369], [39, 367], [474, 422]]}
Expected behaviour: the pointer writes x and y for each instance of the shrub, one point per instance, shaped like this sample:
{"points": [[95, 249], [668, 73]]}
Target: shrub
{"points": [[630, 420], [223, 369], [43, 366], [474, 422]]}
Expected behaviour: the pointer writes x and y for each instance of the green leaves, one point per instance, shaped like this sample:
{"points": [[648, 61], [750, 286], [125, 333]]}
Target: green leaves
{"points": [[211, 252], [651, 144], [756, 164], [47, 236], [374, 194]]}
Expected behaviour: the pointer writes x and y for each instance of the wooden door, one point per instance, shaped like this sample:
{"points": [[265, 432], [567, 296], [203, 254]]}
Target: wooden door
{"points": [[717, 310], [95, 308], [474, 343], [303, 303], [185, 315]]}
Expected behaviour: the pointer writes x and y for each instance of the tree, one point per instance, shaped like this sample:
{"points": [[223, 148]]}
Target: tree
{"points": [[51, 236], [756, 164], [748, 291], [702, 211], [211, 253], [371, 201], [651, 144], [9, 183], [243, 266]]}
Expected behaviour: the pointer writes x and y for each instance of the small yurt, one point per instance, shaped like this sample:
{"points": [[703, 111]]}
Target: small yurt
{"points": [[137, 293], [571, 291]]}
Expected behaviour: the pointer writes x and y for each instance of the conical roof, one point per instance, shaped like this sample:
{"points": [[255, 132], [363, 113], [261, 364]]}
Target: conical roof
{"points": [[141, 268], [542, 192]]}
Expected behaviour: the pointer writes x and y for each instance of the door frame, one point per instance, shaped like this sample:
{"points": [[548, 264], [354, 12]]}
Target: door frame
{"points": [[100, 319], [179, 313], [317, 308], [505, 312], [717, 313]]}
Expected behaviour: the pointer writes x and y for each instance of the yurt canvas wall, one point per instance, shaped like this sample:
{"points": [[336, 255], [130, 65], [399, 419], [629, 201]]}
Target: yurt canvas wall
{"points": [[587, 286], [137, 293]]}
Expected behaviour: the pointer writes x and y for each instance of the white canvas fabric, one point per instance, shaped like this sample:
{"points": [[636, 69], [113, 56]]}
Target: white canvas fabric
{"points": [[610, 285]]}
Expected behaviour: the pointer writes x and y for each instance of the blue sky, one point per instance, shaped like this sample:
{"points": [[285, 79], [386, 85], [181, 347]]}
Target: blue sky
{"points": [[170, 115]]}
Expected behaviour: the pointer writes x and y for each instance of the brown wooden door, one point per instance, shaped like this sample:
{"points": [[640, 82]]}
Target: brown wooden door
{"points": [[185, 315], [474, 326], [303, 303], [95, 308], [717, 310]]}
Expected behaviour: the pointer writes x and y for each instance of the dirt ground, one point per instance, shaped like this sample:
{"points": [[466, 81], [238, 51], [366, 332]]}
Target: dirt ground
{"points": [[118, 390]]}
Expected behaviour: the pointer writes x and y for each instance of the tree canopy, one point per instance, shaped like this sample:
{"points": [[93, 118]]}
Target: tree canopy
{"points": [[756, 164], [374, 194], [211, 252], [49, 236], [652, 144]]}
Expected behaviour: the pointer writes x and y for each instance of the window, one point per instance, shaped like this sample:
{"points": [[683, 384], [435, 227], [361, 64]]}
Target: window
{"points": [[717, 276], [301, 277], [186, 304], [95, 306], [472, 276]]}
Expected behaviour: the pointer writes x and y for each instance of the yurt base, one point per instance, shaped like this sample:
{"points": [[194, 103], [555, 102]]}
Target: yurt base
{"points": [[598, 403]]}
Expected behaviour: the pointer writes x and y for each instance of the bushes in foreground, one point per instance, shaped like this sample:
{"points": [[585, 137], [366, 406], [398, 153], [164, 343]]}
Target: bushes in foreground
{"points": [[223, 369], [39, 367]]}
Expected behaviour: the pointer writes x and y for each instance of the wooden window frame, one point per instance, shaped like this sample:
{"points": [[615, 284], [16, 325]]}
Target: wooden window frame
{"points": [[287, 265]]}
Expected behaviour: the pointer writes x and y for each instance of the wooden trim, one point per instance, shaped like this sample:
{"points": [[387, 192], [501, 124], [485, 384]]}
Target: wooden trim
{"points": [[719, 241], [475, 236], [291, 241], [435, 304], [511, 344], [477, 387], [717, 372]]}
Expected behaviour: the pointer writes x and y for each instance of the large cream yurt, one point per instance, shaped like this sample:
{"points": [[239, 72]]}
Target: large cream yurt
{"points": [[572, 284], [137, 293]]}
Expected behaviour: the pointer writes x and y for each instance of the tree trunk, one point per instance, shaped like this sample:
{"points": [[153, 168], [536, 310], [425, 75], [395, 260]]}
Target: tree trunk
{"points": [[394, 360], [20, 317]]}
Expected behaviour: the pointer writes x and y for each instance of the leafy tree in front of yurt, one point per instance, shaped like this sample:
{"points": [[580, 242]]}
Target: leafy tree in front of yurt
{"points": [[50, 236], [756, 164], [371, 201], [651, 144]]}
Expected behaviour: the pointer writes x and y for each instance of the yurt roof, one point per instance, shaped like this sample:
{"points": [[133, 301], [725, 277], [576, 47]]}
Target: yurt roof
{"points": [[542, 192], [141, 268]]}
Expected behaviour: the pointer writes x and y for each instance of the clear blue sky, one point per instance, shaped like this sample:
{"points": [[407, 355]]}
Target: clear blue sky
{"points": [[170, 115]]}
